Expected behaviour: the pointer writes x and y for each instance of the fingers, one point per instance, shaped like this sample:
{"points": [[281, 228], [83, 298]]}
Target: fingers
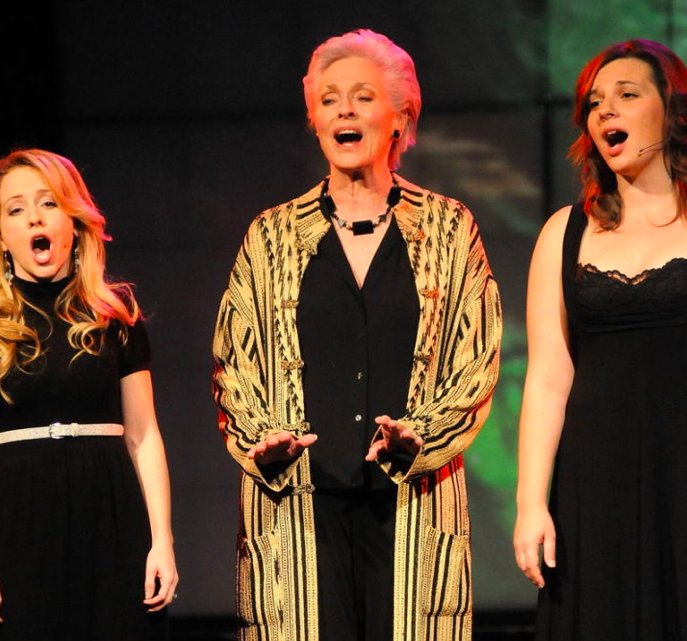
{"points": [[161, 578], [375, 449], [150, 584], [281, 446], [274, 442], [527, 557], [410, 439], [307, 440], [550, 549], [165, 594], [271, 448], [395, 435], [532, 569], [383, 420]]}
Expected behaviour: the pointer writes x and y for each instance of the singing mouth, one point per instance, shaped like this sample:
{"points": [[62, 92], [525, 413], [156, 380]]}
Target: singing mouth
{"points": [[347, 135], [40, 244], [615, 137]]}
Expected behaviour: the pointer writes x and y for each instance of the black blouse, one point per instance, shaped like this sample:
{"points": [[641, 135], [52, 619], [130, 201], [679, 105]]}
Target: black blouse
{"points": [[357, 346]]}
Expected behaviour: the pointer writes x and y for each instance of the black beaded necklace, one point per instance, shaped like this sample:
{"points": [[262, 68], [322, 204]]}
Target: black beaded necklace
{"points": [[358, 227]]}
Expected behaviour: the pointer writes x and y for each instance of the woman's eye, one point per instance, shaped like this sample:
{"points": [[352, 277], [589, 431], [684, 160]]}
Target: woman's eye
{"points": [[365, 98], [593, 104], [49, 203], [327, 100], [629, 94]]}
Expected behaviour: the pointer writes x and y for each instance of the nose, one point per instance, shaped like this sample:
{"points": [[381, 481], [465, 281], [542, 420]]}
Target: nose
{"points": [[606, 110], [346, 109], [35, 216]]}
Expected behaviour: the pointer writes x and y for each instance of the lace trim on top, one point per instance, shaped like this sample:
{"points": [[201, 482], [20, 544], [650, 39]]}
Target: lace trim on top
{"points": [[637, 279]]}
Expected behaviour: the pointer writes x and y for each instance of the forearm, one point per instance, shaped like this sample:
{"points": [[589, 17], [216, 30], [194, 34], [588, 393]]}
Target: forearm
{"points": [[541, 425], [150, 463]]}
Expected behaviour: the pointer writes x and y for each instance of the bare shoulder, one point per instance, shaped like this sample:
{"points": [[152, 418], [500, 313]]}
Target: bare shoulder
{"points": [[556, 223], [551, 235]]}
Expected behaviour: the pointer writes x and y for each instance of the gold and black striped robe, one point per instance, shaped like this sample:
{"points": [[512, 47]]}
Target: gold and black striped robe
{"points": [[258, 389]]}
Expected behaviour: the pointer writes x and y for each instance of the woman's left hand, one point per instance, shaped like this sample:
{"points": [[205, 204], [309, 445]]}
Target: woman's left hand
{"points": [[395, 437], [161, 577]]}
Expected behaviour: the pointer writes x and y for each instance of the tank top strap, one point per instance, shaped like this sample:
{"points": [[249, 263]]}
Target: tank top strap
{"points": [[577, 222]]}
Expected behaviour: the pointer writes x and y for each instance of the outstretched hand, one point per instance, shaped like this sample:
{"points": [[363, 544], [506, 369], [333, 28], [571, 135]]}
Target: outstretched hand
{"points": [[281, 446], [395, 437]]}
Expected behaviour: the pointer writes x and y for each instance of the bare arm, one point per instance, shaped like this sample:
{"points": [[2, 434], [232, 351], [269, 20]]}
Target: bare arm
{"points": [[547, 386], [147, 452]]}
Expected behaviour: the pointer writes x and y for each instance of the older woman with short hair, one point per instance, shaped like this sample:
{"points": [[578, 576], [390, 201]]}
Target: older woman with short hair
{"points": [[356, 351]]}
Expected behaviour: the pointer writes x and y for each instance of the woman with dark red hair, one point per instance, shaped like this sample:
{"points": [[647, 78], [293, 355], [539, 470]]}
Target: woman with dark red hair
{"points": [[604, 416]]}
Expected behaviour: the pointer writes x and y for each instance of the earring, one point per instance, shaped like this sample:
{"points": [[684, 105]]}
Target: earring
{"points": [[397, 134], [8, 267], [75, 257]]}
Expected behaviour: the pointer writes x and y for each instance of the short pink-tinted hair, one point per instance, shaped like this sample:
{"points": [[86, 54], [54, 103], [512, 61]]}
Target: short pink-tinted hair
{"points": [[398, 68]]}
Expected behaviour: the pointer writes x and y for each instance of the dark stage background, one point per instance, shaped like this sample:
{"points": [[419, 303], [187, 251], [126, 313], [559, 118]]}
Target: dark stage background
{"points": [[187, 118]]}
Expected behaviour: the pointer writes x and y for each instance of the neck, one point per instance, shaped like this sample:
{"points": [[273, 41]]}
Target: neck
{"points": [[358, 194], [652, 179], [358, 224], [642, 206], [645, 191]]}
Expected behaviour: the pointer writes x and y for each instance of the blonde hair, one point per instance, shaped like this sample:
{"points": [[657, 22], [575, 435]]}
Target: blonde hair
{"points": [[398, 68], [88, 303]]}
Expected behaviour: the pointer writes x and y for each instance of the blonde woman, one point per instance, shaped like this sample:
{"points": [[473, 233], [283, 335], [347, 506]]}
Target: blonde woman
{"points": [[85, 537]]}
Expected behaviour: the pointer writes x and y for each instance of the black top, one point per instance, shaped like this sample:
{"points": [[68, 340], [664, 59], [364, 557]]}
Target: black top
{"points": [[619, 488], [357, 345], [662, 299], [74, 531], [83, 390]]}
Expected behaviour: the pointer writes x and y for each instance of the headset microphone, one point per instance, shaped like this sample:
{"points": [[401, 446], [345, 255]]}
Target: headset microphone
{"points": [[655, 147]]}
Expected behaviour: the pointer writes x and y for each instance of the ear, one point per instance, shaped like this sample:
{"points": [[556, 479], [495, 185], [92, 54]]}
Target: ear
{"points": [[401, 120]]}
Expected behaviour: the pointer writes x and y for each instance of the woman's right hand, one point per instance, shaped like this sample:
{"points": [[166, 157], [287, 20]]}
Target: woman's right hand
{"points": [[534, 528], [281, 446]]}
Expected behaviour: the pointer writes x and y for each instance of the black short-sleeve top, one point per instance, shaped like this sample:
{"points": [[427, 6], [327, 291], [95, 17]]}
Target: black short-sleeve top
{"points": [[58, 387]]}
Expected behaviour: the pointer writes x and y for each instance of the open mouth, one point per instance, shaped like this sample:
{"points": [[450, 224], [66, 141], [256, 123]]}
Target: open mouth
{"points": [[40, 246], [616, 137], [347, 135]]}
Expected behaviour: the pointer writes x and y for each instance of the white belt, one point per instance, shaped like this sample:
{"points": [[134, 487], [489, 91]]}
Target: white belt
{"points": [[60, 430]]}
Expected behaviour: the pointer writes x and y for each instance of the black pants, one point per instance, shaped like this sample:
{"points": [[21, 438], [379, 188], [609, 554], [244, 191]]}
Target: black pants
{"points": [[354, 530]]}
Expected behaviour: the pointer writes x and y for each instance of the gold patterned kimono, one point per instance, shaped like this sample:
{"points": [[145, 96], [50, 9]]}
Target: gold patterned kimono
{"points": [[258, 389]]}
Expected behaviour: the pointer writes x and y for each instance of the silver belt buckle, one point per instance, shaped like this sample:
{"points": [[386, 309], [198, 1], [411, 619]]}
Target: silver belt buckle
{"points": [[51, 429], [73, 430]]}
